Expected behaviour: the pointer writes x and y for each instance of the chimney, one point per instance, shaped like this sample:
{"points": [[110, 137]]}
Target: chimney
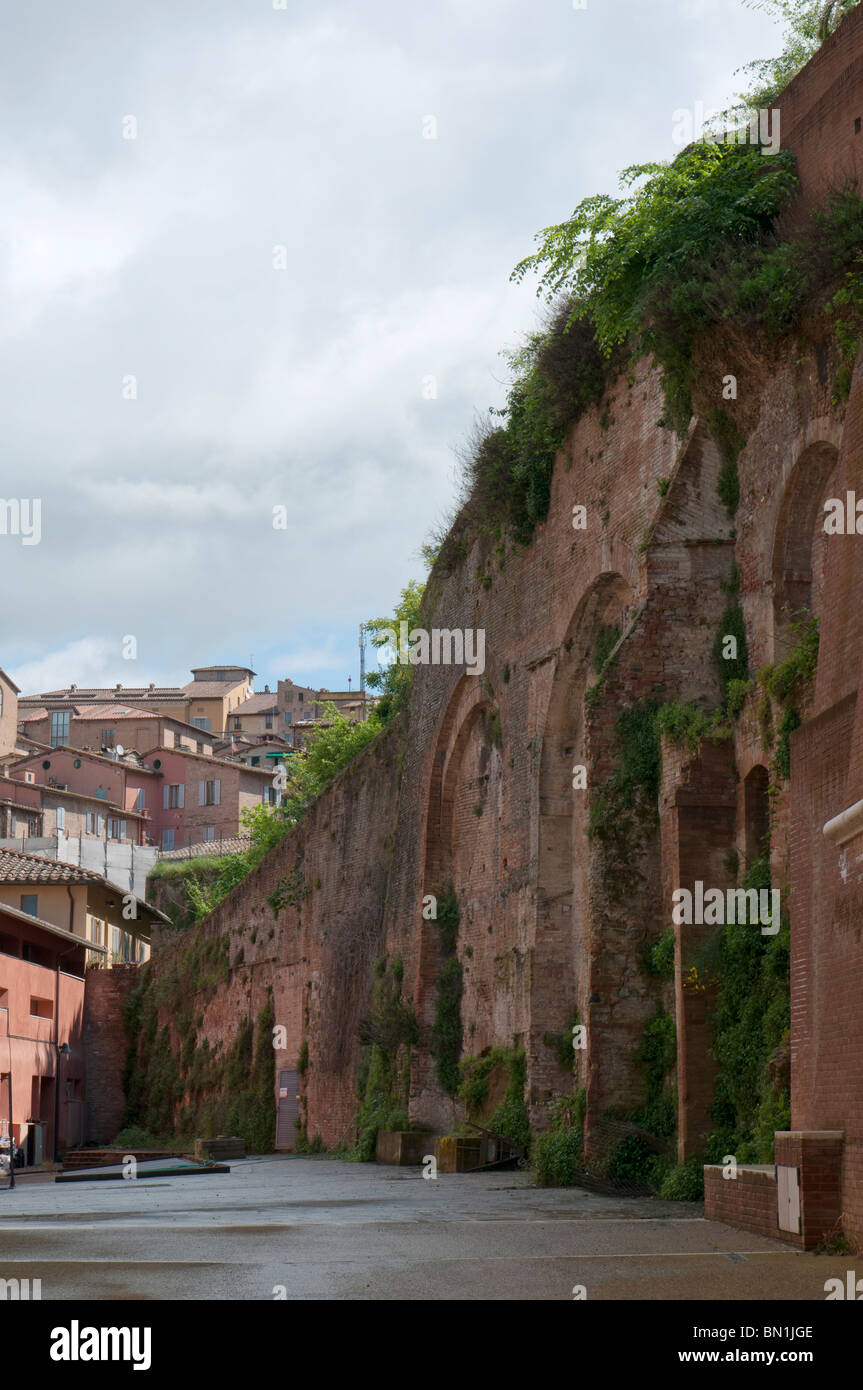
{"points": [[72, 688], [118, 686]]}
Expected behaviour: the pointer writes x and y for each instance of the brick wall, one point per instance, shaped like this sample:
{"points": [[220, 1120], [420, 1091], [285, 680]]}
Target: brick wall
{"points": [[474, 787], [105, 993], [748, 1201]]}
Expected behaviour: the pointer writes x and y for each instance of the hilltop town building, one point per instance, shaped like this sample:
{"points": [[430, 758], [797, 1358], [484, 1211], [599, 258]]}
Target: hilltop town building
{"points": [[101, 728]]}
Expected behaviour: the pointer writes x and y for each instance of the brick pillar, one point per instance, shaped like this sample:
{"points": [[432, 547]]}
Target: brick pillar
{"points": [[817, 1155], [698, 803], [105, 993]]}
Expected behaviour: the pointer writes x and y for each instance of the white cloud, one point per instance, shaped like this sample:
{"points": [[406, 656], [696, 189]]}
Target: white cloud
{"points": [[302, 387], [86, 662]]}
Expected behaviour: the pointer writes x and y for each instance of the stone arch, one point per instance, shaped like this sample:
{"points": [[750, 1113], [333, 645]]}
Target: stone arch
{"points": [[800, 543], [560, 943]]}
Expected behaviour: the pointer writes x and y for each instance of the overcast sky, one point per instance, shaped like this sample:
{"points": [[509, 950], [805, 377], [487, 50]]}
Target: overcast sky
{"points": [[165, 385]]}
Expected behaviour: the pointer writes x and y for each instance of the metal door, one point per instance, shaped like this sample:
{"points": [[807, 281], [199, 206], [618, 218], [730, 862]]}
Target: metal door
{"points": [[788, 1198], [288, 1111]]}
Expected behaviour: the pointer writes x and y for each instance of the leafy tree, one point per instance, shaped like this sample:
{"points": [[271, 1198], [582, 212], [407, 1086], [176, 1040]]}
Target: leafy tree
{"points": [[394, 681], [614, 255], [808, 23]]}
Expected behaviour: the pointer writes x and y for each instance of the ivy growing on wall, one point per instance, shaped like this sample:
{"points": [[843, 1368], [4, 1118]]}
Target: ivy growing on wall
{"points": [[446, 1042], [750, 1036], [388, 1033], [790, 684], [510, 1118], [176, 1086]]}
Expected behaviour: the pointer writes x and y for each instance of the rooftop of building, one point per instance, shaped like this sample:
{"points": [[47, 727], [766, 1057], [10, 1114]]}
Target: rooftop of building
{"points": [[257, 704], [16, 866], [131, 760], [224, 666], [100, 694], [207, 758], [211, 690], [232, 844], [19, 867]]}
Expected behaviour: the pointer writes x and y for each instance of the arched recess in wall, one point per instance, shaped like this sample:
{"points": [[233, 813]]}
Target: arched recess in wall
{"points": [[800, 543], [601, 618], [471, 728], [756, 811], [463, 849]]}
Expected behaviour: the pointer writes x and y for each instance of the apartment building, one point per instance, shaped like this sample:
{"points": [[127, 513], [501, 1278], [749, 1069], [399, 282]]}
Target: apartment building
{"points": [[55, 920], [77, 829], [263, 752], [214, 693], [203, 798], [257, 716], [125, 783], [42, 1076], [91, 908], [101, 728], [302, 709], [205, 702], [9, 693]]}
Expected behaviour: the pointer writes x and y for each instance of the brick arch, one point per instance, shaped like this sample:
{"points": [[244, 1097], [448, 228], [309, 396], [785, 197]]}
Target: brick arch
{"points": [[560, 942], [756, 814], [469, 702], [462, 848], [800, 544]]}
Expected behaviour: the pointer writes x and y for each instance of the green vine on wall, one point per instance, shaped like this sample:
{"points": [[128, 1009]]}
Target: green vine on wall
{"points": [[175, 1085], [290, 891], [750, 1036], [731, 442], [446, 1041], [789, 684], [388, 1033], [510, 1118]]}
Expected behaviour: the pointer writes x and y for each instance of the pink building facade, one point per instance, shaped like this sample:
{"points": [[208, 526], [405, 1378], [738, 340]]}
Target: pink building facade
{"points": [[42, 1076]]}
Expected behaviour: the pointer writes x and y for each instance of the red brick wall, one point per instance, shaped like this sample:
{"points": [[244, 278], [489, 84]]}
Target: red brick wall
{"points": [[105, 993], [550, 922], [748, 1201]]}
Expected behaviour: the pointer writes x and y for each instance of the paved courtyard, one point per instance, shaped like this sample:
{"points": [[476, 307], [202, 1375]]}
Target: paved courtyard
{"points": [[326, 1229]]}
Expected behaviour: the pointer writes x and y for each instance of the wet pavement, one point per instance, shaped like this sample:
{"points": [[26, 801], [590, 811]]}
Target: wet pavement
{"points": [[318, 1228]]}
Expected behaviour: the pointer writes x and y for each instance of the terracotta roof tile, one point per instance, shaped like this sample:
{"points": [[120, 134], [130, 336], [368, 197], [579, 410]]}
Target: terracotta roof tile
{"points": [[17, 867]]}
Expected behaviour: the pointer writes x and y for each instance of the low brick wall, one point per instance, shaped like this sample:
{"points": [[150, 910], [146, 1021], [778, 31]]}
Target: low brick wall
{"points": [[748, 1201], [106, 1158]]}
